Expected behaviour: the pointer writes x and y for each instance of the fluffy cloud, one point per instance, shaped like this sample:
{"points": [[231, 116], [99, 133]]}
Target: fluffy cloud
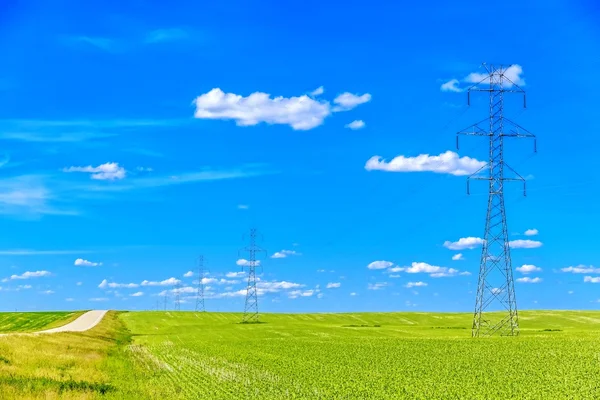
{"points": [[592, 279], [333, 285], [137, 294], [107, 171], [529, 280], [446, 163], [105, 284], [245, 263], [166, 282], [355, 125], [80, 262], [301, 113], [380, 265], [415, 284], [582, 269], [434, 271], [457, 257], [235, 274], [284, 254], [524, 244], [188, 274], [29, 274], [527, 269], [451, 86], [513, 73], [318, 91], [464, 243], [98, 299], [347, 101], [377, 286], [531, 232], [300, 293]]}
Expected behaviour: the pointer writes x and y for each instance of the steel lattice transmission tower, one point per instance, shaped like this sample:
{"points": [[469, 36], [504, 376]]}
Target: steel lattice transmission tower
{"points": [[200, 295], [253, 250], [496, 305], [177, 291]]}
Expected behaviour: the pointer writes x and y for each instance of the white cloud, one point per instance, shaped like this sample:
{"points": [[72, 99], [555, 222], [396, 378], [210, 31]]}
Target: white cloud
{"points": [[107, 171], [48, 292], [318, 91], [415, 284], [356, 124], [529, 280], [80, 262], [284, 254], [380, 265], [188, 274], [513, 73], [79, 283], [235, 274], [301, 113], [275, 286], [434, 271], [446, 163], [524, 244], [104, 284], [320, 270], [166, 35], [243, 206], [137, 294], [144, 169], [496, 290], [333, 285], [299, 293], [166, 282], [377, 286], [531, 232], [590, 279], [245, 263], [582, 269], [29, 274], [69, 299], [528, 268], [353, 294], [98, 299], [464, 243], [24, 286], [451, 86], [347, 101], [570, 292], [457, 257]]}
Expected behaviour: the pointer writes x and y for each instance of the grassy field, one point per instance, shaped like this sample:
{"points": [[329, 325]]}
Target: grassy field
{"points": [[367, 356], [183, 355], [35, 321]]}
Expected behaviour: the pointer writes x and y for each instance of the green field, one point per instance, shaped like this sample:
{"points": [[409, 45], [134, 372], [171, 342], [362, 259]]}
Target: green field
{"points": [[34, 321], [183, 355]]}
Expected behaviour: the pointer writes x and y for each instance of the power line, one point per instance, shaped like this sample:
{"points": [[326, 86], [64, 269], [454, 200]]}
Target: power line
{"points": [[495, 289], [200, 295], [251, 305]]}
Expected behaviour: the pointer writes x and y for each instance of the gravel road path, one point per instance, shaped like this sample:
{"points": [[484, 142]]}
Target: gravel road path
{"points": [[87, 321]]}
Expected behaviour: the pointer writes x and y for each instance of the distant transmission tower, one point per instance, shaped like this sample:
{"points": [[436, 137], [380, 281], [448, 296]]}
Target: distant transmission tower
{"points": [[177, 291], [495, 289], [166, 295], [200, 296], [251, 306]]}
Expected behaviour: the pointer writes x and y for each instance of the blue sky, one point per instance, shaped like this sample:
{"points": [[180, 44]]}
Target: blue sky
{"points": [[136, 136]]}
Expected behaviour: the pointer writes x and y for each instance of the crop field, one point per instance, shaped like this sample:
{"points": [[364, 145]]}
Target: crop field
{"points": [[184, 355], [34, 321], [366, 356]]}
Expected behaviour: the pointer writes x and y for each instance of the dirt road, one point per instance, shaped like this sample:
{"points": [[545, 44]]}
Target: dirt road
{"points": [[87, 321]]}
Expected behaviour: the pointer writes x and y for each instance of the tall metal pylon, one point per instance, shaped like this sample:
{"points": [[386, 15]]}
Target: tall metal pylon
{"points": [[496, 304], [251, 306], [177, 291], [200, 295]]}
